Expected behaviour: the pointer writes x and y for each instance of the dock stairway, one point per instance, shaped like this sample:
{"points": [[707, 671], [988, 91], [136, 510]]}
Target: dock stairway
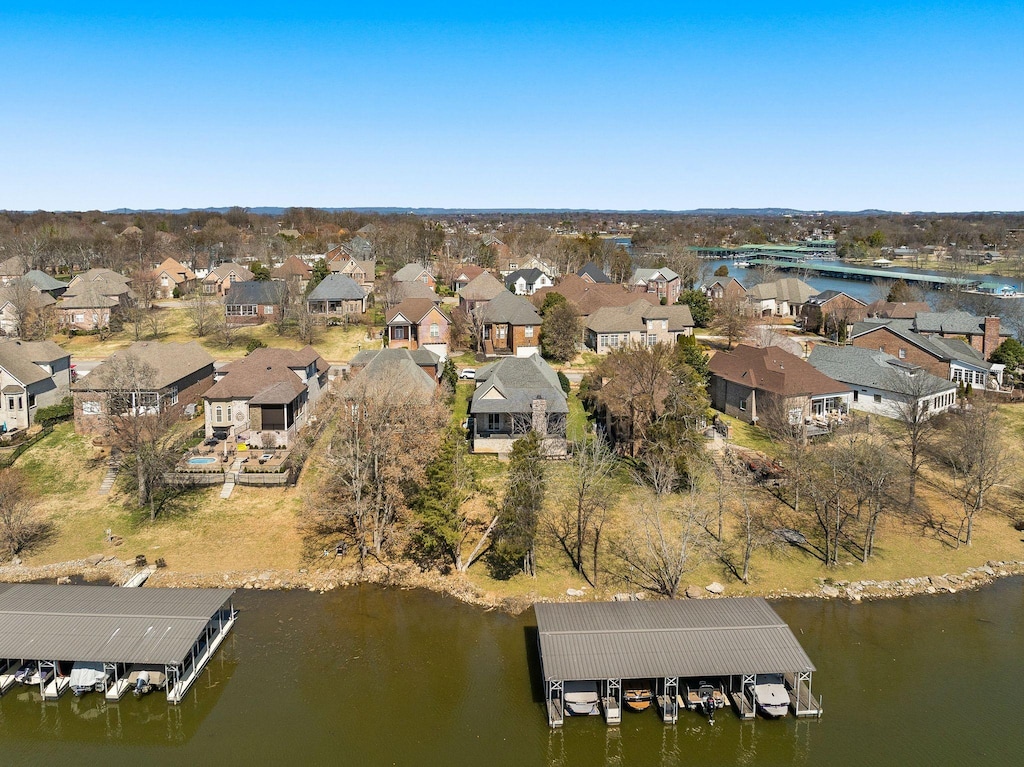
{"points": [[113, 467]]}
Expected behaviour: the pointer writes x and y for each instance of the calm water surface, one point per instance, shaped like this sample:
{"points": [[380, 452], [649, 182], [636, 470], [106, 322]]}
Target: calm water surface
{"points": [[387, 677]]}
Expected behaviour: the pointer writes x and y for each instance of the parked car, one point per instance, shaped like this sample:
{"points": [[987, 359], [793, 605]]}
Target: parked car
{"points": [[468, 373]]}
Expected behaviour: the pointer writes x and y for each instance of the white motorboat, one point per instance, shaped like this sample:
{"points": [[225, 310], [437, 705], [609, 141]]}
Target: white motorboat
{"points": [[581, 698], [770, 695], [87, 676], [741, 264]]}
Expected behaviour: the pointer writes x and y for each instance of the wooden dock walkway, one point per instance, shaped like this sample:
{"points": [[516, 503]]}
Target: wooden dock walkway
{"points": [[556, 717], [177, 693], [7, 671], [800, 698], [743, 705]]}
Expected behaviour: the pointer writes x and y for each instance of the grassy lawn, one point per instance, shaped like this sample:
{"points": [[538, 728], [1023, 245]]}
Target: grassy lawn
{"points": [[335, 344]]}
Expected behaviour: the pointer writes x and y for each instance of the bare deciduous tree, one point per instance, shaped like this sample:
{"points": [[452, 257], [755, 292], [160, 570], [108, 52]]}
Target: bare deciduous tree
{"points": [[202, 310], [587, 494], [19, 525]]}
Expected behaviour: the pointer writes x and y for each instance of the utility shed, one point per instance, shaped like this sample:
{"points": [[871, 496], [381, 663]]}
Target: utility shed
{"points": [[664, 641], [175, 628]]}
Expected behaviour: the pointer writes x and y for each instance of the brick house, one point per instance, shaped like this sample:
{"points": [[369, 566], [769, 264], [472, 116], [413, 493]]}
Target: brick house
{"points": [[594, 274], [87, 309], [588, 297], [418, 323], [295, 270], [415, 273], [510, 326], [336, 296], [363, 273], [176, 375], [950, 358], [832, 313], [465, 274], [729, 289], [173, 274], [480, 290], [663, 282], [221, 278], [425, 359], [254, 302], [755, 384]]}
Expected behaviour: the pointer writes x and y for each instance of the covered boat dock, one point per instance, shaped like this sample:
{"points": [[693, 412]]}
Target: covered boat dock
{"points": [[668, 641], [175, 631]]}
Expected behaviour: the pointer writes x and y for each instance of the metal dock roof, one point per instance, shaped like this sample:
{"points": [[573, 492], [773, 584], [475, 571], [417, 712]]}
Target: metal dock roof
{"points": [[645, 640], [103, 623]]}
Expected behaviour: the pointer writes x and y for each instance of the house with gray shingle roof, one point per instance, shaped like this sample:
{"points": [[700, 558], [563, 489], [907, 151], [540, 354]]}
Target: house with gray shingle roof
{"points": [[254, 302], [480, 290], [265, 398], [399, 372], [881, 383], [21, 302], [638, 323], [526, 282], [513, 397], [220, 279], [953, 359], [415, 272], [337, 296], [33, 374], [88, 308], [593, 273], [662, 282], [44, 283], [781, 298]]}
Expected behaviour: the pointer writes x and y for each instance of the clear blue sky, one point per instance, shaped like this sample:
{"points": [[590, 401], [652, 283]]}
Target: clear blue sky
{"points": [[903, 106]]}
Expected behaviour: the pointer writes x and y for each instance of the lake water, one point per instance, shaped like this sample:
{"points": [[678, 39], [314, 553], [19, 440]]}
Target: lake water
{"points": [[369, 676]]}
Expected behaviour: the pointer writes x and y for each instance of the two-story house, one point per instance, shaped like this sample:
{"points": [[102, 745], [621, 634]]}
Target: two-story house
{"points": [[173, 275], [662, 282], [418, 323], [336, 296], [415, 272], [33, 374], [220, 279], [638, 323], [526, 282], [510, 325]]}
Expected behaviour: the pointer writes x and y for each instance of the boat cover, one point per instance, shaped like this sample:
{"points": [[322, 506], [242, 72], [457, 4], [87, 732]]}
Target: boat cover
{"points": [[87, 675]]}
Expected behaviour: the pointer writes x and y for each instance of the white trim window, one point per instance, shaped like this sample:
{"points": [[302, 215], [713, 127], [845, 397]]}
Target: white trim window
{"points": [[241, 310], [172, 395], [90, 407], [529, 331]]}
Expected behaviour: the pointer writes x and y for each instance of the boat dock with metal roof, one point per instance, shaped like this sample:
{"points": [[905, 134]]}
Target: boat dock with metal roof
{"points": [[177, 630], [667, 641], [866, 273]]}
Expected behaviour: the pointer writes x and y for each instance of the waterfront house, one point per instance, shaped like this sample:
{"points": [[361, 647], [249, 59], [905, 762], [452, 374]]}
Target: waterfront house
{"points": [[832, 313], [168, 377], [265, 398], [771, 385], [588, 297], [729, 289], [254, 302], [513, 397], [638, 323], [950, 358], [781, 298], [882, 384], [33, 374]]}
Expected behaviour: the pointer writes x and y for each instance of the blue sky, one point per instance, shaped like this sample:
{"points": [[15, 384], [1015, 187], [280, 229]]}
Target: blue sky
{"points": [[902, 106]]}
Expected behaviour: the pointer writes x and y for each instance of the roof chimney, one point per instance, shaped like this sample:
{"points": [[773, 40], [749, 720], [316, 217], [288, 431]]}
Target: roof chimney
{"points": [[990, 340]]}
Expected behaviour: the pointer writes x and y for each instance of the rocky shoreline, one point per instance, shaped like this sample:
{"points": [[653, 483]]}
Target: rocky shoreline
{"points": [[110, 569]]}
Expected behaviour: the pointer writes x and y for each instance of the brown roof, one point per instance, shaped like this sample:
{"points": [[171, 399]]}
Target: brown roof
{"points": [[222, 272], [170, 362], [176, 270], [483, 287], [266, 376], [413, 309], [293, 266], [634, 317], [772, 370], [471, 271], [87, 296], [589, 297], [897, 310]]}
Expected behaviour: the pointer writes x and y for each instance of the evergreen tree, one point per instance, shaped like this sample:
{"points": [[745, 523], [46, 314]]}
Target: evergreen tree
{"points": [[441, 523], [516, 533], [700, 307], [560, 334], [319, 273]]}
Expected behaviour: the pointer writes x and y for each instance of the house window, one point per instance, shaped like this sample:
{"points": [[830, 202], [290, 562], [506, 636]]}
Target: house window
{"points": [[398, 333], [435, 330], [855, 399], [241, 310], [172, 395], [878, 399], [80, 317], [652, 339], [90, 408], [220, 414], [501, 331], [493, 421], [229, 412], [10, 403], [529, 331], [487, 332], [664, 324], [903, 354], [269, 309], [31, 400], [743, 405]]}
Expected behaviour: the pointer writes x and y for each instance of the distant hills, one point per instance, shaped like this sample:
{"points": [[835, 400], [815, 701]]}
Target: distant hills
{"points": [[767, 212]]}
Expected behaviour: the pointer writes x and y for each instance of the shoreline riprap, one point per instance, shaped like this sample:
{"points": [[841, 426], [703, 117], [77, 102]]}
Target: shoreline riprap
{"points": [[110, 569]]}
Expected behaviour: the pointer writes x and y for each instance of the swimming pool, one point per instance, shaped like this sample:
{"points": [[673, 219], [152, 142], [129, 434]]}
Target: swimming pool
{"points": [[201, 460]]}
